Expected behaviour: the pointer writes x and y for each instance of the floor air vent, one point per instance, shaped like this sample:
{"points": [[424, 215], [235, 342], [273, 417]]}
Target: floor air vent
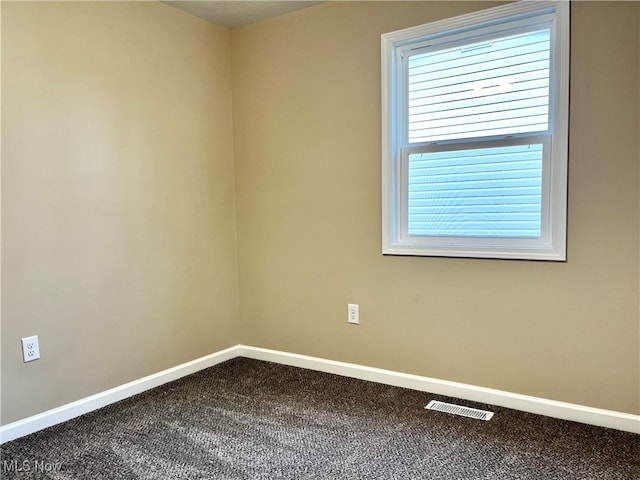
{"points": [[459, 410]]}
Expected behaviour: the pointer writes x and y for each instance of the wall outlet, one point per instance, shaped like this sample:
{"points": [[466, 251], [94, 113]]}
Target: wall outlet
{"points": [[30, 348], [354, 313]]}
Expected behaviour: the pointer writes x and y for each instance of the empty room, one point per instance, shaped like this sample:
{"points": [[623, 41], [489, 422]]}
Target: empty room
{"points": [[320, 240]]}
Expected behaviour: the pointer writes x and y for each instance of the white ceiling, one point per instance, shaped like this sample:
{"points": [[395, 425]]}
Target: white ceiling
{"points": [[236, 13]]}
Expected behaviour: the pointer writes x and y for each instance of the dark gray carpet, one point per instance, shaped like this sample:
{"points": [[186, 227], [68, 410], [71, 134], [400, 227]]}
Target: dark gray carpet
{"points": [[246, 419]]}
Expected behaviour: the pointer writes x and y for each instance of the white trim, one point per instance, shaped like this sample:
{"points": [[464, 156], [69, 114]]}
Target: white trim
{"points": [[71, 410], [550, 408]]}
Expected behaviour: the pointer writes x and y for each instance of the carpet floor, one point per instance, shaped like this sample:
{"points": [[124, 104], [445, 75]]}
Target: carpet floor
{"points": [[248, 419]]}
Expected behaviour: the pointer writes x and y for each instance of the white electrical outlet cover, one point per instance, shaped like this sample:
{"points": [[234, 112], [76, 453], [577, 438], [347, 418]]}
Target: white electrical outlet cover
{"points": [[30, 348], [353, 313]]}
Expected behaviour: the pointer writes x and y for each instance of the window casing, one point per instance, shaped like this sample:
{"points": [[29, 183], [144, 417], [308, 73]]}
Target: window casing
{"points": [[475, 128]]}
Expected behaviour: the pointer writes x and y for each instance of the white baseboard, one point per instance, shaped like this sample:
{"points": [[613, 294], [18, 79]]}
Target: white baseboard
{"points": [[32, 424], [551, 408]]}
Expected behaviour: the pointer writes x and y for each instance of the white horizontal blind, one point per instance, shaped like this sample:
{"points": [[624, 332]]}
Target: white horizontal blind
{"points": [[495, 87], [483, 192]]}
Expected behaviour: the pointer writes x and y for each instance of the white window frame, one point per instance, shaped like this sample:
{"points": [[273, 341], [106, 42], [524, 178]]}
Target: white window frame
{"points": [[551, 245]]}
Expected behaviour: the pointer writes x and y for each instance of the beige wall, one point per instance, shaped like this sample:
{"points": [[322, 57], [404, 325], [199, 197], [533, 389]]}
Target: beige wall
{"points": [[307, 151], [118, 214]]}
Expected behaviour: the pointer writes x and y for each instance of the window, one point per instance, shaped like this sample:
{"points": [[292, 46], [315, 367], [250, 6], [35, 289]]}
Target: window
{"points": [[475, 134]]}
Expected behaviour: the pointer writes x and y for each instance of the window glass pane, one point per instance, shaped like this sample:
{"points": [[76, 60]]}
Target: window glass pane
{"points": [[487, 192], [498, 87]]}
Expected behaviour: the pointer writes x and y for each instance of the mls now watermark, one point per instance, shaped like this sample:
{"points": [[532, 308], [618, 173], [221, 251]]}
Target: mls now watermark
{"points": [[35, 466]]}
